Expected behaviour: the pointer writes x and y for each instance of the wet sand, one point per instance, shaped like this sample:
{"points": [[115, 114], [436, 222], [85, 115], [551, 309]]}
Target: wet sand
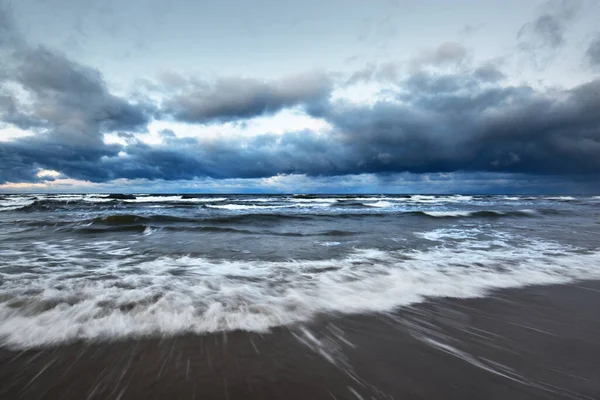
{"points": [[533, 343]]}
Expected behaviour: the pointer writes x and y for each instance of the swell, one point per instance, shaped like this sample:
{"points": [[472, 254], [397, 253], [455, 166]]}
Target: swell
{"points": [[476, 214], [128, 219], [528, 213], [171, 221], [258, 218], [112, 229], [52, 205], [141, 228], [350, 203], [55, 204]]}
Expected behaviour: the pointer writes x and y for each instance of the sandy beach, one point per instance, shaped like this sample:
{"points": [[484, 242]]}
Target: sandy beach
{"points": [[538, 342]]}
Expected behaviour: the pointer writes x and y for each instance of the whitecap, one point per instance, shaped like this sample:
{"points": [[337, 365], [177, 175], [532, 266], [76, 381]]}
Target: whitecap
{"points": [[172, 295], [380, 204]]}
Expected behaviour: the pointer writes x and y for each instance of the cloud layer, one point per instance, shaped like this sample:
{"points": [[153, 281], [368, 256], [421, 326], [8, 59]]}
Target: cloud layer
{"points": [[438, 113], [232, 99]]}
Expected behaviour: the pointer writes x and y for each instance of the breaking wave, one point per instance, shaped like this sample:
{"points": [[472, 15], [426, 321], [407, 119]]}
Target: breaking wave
{"points": [[128, 295]]}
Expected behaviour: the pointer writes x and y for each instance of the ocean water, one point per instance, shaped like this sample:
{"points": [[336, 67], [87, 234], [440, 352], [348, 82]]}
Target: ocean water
{"points": [[92, 268]]}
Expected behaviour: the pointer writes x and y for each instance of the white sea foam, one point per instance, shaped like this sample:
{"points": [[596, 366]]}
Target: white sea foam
{"points": [[380, 204], [459, 197], [14, 203], [265, 207], [11, 208], [370, 198], [455, 213], [258, 200], [96, 199], [560, 198], [419, 197], [448, 233], [315, 200], [153, 199], [422, 199], [203, 200], [246, 206], [171, 199], [89, 299], [92, 198]]}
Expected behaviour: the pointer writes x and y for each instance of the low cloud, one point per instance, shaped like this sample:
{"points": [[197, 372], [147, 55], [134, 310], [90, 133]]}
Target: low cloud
{"points": [[232, 99], [451, 123], [44, 90]]}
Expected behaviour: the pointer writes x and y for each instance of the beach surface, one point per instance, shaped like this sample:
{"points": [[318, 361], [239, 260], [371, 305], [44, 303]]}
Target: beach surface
{"points": [[539, 342]]}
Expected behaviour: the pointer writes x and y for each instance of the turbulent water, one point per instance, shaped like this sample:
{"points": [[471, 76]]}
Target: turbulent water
{"points": [[90, 267]]}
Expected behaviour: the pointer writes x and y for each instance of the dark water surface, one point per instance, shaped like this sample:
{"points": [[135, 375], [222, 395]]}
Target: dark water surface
{"points": [[325, 293]]}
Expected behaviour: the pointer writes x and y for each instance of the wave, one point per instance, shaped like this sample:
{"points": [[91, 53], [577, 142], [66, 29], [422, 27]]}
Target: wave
{"points": [[257, 218], [560, 198], [245, 206], [241, 207], [128, 219], [139, 228], [50, 205], [315, 200], [15, 203], [50, 202], [175, 199], [479, 213], [380, 204], [215, 229], [132, 219], [350, 203], [258, 200], [173, 295]]}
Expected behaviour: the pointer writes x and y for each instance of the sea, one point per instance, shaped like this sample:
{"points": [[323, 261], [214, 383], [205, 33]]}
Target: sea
{"points": [[98, 268]]}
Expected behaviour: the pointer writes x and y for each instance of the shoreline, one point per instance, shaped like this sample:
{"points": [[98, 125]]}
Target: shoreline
{"points": [[533, 342]]}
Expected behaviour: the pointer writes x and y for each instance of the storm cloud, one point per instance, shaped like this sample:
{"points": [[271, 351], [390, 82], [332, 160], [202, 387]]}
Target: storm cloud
{"points": [[443, 123], [43, 89], [231, 99], [439, 112]]}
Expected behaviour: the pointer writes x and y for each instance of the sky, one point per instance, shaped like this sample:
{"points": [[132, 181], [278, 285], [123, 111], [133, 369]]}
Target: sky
{"points": [[328, 96]]}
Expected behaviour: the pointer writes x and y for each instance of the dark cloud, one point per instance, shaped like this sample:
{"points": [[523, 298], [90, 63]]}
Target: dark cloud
{"points": [[70, 100], [440, 123], [435, 128], [592, 54], [21, 159], [547, 31], [43, 89], [231, 99], [434, 122], [449, 124]]}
